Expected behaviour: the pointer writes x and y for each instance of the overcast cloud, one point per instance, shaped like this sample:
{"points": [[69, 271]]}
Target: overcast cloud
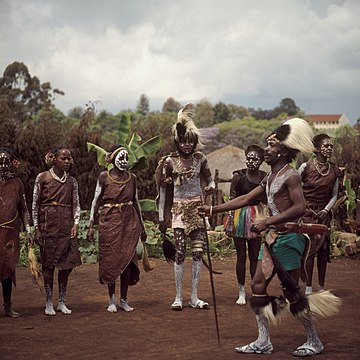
{"points": [[250, 53]]}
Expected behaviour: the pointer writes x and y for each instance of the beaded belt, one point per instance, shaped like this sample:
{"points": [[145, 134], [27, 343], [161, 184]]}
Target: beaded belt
{"points": [[55, 203], [118, 205]]}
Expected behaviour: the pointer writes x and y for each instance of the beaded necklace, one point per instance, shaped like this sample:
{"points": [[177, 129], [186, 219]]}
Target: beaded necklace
{"points": [[274, 187], [117, 181], [57, 178], [182, 173], [277, 173], [317, 164]]}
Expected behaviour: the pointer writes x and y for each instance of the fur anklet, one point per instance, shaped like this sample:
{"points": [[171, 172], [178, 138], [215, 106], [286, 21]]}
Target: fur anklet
{"points": [[272, 307]]}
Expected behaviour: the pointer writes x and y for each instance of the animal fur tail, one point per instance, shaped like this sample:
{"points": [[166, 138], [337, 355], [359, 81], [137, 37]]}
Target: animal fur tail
{"points": [[275, 308], [145, 260], [35, 269], [324, 303]]}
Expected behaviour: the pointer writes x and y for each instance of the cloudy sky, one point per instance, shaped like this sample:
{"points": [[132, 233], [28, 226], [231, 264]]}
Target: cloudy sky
{"points": [[246, 52]]}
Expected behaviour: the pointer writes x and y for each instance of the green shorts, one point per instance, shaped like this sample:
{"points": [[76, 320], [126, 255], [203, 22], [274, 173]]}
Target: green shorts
{"points": [[289, 249]]}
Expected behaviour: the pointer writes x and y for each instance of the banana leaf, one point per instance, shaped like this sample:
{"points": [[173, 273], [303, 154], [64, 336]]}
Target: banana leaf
{"points": [[123, 129], [149, 147], [100, 152], [350, 201], [134, 141]]}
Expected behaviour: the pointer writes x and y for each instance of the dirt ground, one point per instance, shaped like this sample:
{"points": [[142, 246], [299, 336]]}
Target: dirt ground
{"points": [[153, 331]]}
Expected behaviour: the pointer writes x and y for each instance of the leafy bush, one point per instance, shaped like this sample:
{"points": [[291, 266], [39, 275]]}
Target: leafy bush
{"points": [[89, 251]]}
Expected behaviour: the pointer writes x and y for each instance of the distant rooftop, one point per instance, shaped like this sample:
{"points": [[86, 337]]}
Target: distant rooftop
{"points": [[328, 121], [324, 117]]}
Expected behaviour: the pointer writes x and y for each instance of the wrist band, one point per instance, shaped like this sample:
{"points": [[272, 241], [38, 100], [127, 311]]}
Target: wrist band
{"points": [[28, 229]]}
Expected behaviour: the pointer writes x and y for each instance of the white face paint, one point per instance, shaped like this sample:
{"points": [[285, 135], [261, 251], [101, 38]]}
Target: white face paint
{"points": [[5, 162], [122, 160], [326, 148], [253, 160]]}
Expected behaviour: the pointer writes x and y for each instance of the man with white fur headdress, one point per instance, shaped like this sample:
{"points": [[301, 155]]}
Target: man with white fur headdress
{"points": [[178, 178], [283, 249]]}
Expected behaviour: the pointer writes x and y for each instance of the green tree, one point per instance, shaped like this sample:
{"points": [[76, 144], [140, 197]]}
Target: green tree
{"points": [[346, 152], [143, 105], [204, 114], [287, 106], [32, 144], [242, 133], [10, 126], [77, 112], [237, 112], [171, 105], [24, 94], [221, 113], [85, 169]]}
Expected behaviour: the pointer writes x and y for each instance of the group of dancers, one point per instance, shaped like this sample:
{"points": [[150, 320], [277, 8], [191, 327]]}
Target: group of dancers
{"points": [[291, 196]]}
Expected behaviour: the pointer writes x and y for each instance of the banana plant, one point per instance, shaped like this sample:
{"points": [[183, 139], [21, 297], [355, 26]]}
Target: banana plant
{"points": [[138, 153], [350, 200]]}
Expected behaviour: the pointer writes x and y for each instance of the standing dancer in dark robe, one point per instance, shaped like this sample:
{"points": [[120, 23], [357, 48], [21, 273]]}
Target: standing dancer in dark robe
{"points": [[239, 221], [358, 210], [283, 250], [179, 185], [120, 227], [13, 212], [56, 215], [320, 180]]}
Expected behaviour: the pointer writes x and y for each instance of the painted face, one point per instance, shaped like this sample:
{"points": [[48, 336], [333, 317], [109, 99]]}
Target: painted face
{"points": [[253, 160], [122, 160], [63, 160], [326, 148], [186, 147], [272, 152], [5, 162]]}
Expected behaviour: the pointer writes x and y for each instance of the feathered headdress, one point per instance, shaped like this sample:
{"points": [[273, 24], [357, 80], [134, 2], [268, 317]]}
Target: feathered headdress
{"points": [[185, 129], [295, 134]]}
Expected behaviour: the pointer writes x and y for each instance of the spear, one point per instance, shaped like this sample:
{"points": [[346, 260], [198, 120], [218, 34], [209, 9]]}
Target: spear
{"points": [[211, 280]]}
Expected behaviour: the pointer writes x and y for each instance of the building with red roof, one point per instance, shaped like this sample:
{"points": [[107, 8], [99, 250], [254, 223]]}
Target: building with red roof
{"points": [[328, 121]]}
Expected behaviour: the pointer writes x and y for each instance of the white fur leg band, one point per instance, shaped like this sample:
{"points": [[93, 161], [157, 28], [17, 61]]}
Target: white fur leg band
{"points": [[273, 308]]}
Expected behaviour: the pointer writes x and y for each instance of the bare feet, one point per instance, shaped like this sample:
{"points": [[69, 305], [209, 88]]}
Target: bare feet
{"points": [[242, 296], [11, 313], [125, 306], [49, 309], [63, 308], [112, 308]]}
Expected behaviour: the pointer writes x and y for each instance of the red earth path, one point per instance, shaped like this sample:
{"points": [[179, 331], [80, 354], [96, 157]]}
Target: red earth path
{"points": [[153, 331]]}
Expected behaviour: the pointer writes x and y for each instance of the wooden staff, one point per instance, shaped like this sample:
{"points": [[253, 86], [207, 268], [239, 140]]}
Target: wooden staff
{"points": [[211, 280]]}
